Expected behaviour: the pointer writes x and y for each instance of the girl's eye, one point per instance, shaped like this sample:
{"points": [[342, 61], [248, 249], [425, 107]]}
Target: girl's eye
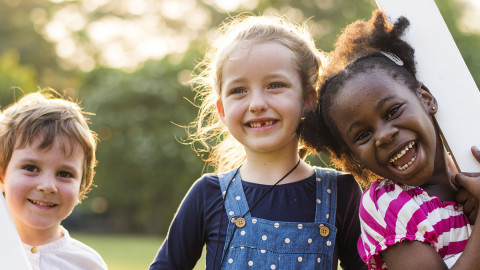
{"points": [[393, 111], [238, 90], [64, 174], [362, 136], [30, 168], [275, 85]]}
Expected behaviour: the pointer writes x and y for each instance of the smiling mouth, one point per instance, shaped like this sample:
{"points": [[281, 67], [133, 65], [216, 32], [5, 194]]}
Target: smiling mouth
{"points": [[405, 157], [261, 124], [42, 204]]}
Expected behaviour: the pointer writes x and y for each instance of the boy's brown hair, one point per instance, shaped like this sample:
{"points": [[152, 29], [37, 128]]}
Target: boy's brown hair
{"points": [[47, 115]]}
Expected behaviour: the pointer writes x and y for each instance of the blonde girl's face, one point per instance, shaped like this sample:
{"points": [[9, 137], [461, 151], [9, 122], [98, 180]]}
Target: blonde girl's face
{"points": [[262, 97], [42, 186]]}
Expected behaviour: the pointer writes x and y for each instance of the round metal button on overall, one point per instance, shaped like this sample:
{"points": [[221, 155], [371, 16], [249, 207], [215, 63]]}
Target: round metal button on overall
{"points": [[324, 231], [240, 222]]}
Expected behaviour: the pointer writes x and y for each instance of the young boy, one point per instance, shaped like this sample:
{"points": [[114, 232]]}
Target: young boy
{"points": [[47, 159]]}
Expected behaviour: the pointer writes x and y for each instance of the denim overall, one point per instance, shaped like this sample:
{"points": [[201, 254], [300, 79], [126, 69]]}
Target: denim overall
{"points": [[265, 244]]}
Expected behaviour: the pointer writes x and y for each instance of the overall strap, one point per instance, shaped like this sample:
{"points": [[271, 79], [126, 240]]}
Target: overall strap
{"points": [[326, 206], [232, 193]]}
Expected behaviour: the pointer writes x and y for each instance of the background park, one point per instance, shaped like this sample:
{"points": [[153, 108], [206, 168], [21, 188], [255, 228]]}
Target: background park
{"points": [[129, 63]]}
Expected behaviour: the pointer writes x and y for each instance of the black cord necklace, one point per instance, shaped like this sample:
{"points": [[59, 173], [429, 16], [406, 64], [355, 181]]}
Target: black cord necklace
{"points": [[240, 222]]}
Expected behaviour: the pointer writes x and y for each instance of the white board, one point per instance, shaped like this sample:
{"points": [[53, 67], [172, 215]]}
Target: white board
{"points": [[12, 254], [441, 68]]}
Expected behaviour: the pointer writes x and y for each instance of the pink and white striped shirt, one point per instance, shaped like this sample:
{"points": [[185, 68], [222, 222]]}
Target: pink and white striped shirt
{"points": [[391, 212]]}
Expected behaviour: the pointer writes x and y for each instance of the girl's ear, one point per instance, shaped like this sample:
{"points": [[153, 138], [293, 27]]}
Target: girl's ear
{"points": [[310, 101], [428, 100], [355, 159], [220, 111]]}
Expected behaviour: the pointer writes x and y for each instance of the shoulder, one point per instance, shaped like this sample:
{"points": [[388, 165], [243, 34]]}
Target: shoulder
{"points": [[388, 196], [390, 213], [77, 252], [346, 183]]}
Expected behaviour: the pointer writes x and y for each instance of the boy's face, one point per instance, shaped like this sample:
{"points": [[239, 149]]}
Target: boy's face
{"points": [[42, 186]]}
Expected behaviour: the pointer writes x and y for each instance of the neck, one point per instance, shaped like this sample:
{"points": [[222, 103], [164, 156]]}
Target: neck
{"points": [[35, 237], [268, 168], [440, 184]]}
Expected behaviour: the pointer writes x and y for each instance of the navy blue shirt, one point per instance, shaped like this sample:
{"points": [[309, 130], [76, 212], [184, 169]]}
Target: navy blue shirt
{"points": [[197, 221]]}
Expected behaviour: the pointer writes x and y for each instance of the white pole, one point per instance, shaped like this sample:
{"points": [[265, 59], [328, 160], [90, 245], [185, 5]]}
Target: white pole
{"points": [[12, 254], [441, 68]]}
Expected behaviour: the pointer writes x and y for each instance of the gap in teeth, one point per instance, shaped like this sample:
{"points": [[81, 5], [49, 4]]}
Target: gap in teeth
{"points": [[402, 152], [261, 124], [404, 167]]}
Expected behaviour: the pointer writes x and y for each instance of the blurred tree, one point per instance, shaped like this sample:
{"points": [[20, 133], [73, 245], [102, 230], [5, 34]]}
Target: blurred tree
{"points": [[143, 170]]}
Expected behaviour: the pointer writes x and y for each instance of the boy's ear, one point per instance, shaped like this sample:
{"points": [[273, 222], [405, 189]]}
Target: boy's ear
{"points": [[310, 101], [2, 186], [428, 100], [220, 111]]}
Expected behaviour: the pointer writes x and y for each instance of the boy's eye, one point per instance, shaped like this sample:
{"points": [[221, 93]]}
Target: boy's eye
{"points": [[275, 85], [64, 174], [393, 111], [30, 168]]}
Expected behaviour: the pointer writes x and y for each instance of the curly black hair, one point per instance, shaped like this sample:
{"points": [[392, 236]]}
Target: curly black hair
{"points": [[360, 48]]}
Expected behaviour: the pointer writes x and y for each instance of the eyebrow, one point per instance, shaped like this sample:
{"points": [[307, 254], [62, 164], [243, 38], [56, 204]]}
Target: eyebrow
{"points": [[64, 166], [383, 101], [379, 104]]}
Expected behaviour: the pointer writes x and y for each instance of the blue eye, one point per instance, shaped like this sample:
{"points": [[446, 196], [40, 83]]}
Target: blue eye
{"points": [[275, 85], [64, 174]]}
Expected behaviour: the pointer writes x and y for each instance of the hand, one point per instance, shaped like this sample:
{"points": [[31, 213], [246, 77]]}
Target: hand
{"points": [[469, 201]]}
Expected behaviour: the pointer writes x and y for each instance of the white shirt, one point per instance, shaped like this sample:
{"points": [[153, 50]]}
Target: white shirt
{"points": [[65, 253]]}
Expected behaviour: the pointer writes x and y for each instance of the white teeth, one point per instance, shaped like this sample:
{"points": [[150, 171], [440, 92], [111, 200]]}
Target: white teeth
{"points": [[401, 168], [43, 204], [401, 153], [261, 124]]}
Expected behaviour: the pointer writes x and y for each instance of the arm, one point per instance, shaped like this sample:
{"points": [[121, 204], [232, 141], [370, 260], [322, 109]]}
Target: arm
{"points": [[464, 197], [184, 243], [417, 255], [348, 223]]}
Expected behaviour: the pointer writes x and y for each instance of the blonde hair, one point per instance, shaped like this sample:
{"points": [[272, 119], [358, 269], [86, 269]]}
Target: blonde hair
{"points": [[207, 133], [45, 115]]}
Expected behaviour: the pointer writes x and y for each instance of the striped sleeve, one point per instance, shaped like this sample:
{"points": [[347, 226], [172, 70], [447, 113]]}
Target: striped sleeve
{"points": [[389, 215]]}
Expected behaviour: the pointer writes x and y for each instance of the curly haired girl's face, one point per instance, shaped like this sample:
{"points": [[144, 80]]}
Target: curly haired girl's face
{"points": [[387, 127]]}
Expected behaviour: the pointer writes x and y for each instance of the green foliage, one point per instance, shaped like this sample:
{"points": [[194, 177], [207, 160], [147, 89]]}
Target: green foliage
{"points": [[143, 170], [14, 77]]}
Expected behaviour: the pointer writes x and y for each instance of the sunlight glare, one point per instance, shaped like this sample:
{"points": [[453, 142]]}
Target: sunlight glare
{"points": [[469, 22], [177, 9], [65, 48], [56, 31], [136, 7]]}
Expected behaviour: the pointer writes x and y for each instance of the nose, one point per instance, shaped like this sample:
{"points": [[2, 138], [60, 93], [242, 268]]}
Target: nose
{"points": [[385, 134], [258, 102], [47, 184]]}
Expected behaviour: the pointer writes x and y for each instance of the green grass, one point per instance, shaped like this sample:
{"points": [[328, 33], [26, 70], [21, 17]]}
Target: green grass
{"points": [[126, 252]]}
